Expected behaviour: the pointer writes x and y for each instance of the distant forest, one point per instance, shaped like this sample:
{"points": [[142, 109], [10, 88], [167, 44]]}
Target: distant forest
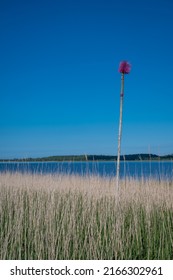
{"points": [[93, 158]]}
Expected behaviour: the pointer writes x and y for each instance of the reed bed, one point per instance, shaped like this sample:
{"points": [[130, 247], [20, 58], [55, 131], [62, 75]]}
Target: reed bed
{"points": [[70, 217]]}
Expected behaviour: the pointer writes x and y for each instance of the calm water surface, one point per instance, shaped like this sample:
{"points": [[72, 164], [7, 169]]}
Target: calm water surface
{"points": [[156, 169]]}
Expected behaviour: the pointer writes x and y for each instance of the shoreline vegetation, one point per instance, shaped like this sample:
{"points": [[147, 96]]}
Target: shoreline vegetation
{"points": [[131, 157], [72, 217]]}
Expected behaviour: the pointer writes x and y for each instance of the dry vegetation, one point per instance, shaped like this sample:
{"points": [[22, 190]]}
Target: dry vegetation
{"points": [[82, 217]]}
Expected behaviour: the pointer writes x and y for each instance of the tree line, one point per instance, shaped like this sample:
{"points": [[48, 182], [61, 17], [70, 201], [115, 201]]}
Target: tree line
{"points": [[130, 157]]}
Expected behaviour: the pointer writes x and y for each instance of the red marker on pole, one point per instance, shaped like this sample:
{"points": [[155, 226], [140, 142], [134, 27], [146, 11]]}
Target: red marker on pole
{"points": [[124, 68]]}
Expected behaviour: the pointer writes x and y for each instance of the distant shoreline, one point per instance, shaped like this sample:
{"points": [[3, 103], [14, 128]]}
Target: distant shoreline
{"points": [[86, 158]]}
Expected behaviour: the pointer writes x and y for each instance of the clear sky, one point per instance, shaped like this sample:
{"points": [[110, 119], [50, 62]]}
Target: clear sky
{"points": [[59, 80]]}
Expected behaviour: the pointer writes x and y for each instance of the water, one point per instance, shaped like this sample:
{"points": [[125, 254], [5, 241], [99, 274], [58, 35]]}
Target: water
{"points": [[145, 169]]}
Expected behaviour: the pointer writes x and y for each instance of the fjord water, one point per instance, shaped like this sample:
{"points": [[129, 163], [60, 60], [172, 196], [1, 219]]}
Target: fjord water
{"points": [[136, 169]]}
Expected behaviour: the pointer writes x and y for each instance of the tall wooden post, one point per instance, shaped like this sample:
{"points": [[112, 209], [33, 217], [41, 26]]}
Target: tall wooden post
{"points": [[124, 68], [120, 130]]}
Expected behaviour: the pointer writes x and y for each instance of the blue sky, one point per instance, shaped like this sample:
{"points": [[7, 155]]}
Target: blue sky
{"points": [[59, 80]]}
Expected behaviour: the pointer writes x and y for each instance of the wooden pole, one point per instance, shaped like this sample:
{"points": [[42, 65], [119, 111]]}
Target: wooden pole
{"points": [[120, 131]]}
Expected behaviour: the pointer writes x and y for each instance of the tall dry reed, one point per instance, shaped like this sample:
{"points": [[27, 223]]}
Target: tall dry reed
{"points": [[79, 217]]}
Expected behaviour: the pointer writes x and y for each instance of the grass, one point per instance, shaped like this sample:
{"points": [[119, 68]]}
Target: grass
{"points": [[68, 217]]}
